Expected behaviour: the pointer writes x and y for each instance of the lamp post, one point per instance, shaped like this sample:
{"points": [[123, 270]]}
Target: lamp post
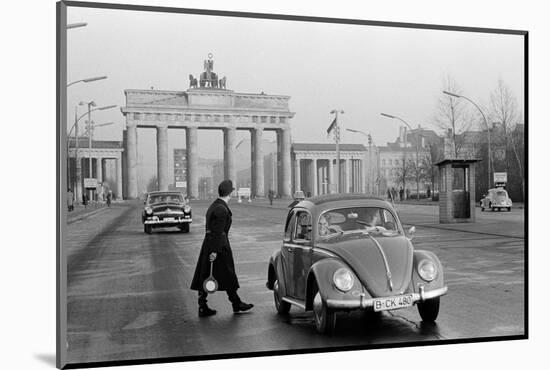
{"points": [[75, 126], [370, 143], [337, 141], [91, 79], [489, 161], [416, 160]]}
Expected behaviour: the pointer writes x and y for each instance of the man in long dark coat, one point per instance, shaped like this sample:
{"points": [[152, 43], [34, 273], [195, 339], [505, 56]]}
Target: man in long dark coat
{"points": [[216, 248]]}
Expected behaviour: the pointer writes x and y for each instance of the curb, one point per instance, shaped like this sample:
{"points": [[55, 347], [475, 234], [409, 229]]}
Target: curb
{"points": [[85, 215]]}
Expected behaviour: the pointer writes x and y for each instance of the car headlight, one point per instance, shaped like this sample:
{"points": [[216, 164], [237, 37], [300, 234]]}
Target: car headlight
{"points": [[427, 270], [186, 209], [148, 210], [343, 279]]}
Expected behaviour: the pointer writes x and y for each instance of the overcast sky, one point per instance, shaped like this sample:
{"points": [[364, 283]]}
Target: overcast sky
{"points": [[363, 70]]}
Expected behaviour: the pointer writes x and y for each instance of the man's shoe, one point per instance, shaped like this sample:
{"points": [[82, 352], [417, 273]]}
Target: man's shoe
{"points": [[241, 307], [206, 311]]}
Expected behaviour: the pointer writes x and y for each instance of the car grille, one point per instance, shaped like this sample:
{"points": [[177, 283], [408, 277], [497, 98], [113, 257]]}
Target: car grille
{"points": [[167, 209]]}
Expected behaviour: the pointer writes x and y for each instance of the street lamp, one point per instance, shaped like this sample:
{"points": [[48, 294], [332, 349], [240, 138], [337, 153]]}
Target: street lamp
{"points": [[76, 25], [416, 161], [337, 141], [370, 142], [490, 161], [91, 79]]}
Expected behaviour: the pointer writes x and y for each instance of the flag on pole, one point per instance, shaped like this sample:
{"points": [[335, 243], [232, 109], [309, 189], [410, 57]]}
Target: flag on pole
{"points": [[331, 127]]}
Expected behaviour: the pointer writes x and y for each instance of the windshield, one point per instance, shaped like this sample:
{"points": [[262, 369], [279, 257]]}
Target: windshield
{"points": [[502, 193], [165, 198], [353, 220]]}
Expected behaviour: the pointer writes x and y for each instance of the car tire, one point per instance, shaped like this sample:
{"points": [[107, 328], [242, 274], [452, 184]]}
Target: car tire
{"points": [[147, 229], [509, 209], [481, 205], [429, 309], [281, 306], [325, 319], [184, 228]]}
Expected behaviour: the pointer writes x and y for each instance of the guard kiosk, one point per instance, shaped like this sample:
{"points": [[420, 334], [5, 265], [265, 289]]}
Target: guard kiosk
{"points": [[457, 190]]}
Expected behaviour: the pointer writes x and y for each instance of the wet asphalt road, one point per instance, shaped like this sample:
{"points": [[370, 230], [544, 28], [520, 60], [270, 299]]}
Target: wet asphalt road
{"points": [[128, 295]]}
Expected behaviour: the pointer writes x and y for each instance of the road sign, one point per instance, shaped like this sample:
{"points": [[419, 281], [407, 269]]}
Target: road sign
{"points": [[90, 183], [500, 179]]}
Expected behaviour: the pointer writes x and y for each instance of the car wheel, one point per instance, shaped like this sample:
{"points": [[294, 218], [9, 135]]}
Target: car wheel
{"points": [[184, 228], [481, 205], [281, 306], [325, 319], [429, 309], [491, 206], [147, 229], [509, 209]]}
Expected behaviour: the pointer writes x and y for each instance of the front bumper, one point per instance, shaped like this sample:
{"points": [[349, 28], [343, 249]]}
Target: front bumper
{"points": [[175, 221], [364, 303]]}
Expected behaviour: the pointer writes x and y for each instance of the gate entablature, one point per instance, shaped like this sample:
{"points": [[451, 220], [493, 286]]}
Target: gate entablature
{"points": [[211, 106]]}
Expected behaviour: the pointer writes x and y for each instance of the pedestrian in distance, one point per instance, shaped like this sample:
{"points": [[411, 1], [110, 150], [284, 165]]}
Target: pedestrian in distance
{"points": [[401, 194], [109, 197], [70, 200], [84, 199], [270, 195], [217, 250]]}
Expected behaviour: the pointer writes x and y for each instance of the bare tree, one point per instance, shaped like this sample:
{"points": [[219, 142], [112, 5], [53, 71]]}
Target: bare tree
{"points": [[453, 115], [405, 171], [428, 163], [504, 112]]}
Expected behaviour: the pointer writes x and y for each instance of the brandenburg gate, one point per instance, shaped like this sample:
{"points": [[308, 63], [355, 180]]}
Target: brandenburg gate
{"points": [[207, 105]]}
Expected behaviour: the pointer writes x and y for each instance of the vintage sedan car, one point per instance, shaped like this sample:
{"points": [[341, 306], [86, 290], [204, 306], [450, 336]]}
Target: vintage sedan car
{"points": [[166, 209], [348, 252], [496, 199]]}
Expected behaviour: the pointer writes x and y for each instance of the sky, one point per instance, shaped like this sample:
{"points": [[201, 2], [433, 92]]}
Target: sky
{"points": [[363, 70]]}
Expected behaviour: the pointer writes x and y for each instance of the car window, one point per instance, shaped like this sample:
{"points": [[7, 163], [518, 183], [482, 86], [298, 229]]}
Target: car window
{"points": [[354, 219], [290, 221], [303, 226], [502, 193]]}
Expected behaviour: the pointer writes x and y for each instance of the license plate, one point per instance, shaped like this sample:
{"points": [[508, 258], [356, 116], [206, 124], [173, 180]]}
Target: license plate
{"points": [[168, 219], [393, 303]]}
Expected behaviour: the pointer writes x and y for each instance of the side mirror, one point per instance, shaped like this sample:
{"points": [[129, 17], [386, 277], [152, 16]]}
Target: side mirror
{"points": [[412, 231]]}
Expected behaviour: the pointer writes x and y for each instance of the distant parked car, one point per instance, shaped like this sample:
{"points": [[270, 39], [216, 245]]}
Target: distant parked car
{"points": [[166, 209], [344, 252], [496, 199]]}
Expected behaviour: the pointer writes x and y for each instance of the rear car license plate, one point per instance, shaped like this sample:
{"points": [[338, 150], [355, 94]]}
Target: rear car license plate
{"points": [[393, 303]]}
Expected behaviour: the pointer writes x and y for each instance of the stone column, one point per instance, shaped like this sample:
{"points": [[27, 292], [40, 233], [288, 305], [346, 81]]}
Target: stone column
{"points": [[315, 180], [258, 163], [192, 162], [162, 157], [330, 171], [119, 177], [230, 170], [99, 169], [78, 190], [297, 181], [285, 162], [349, 168], [131, 140]]}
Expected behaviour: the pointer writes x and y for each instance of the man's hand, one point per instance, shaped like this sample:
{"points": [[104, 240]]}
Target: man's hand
{"points": [[212, 256]]}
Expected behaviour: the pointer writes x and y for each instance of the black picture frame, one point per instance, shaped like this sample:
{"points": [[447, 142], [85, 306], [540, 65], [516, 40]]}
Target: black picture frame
{"points": [[61, 174]]}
